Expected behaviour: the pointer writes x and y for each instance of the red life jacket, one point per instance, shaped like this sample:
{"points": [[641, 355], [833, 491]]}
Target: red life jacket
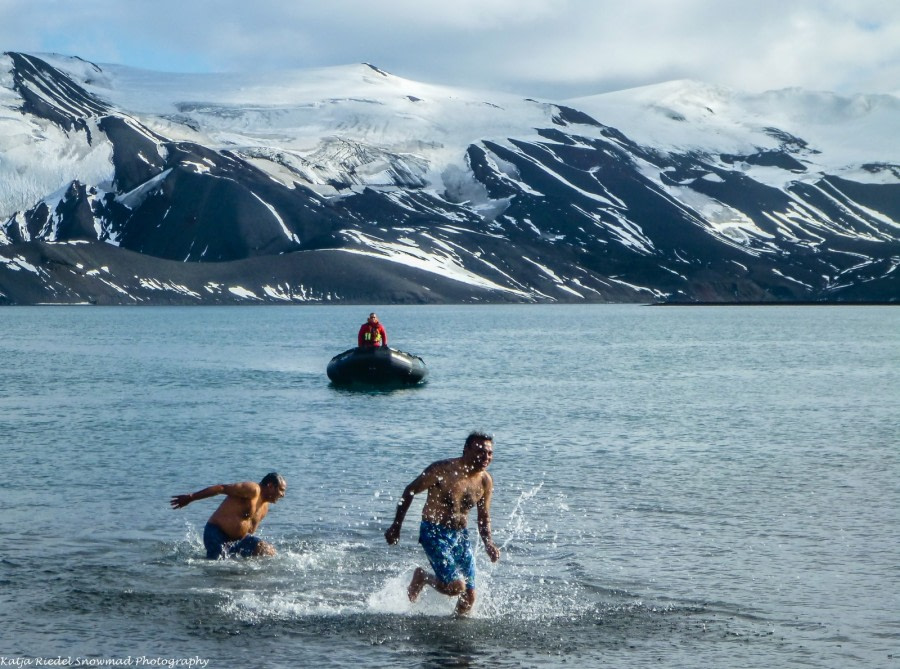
{"points": [[372, 335]]}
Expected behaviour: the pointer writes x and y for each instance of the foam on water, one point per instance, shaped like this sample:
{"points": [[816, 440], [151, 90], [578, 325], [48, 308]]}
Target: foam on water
{"points": [[310, 578]]}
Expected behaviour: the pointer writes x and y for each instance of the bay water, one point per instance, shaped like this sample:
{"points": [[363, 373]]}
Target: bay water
{"points": [[674, 486]]}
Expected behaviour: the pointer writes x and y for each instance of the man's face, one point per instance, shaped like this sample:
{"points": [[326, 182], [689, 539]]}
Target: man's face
{"points": [[373, 319], [274, 491], [480, 453]]}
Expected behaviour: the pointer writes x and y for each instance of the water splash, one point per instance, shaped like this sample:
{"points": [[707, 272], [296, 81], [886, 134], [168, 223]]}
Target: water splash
{"points": [[516, 523], [391, 598], [255, 607]]}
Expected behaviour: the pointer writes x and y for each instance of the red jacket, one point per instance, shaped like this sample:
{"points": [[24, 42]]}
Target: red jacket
{"points": [[372, 335]]}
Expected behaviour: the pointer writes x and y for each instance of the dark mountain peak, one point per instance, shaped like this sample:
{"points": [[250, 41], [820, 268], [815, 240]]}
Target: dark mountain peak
{"points": [[49, 93], [568, 115], [376, 69]]}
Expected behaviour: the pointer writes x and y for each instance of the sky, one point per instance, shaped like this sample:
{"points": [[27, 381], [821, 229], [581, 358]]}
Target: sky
{"points": [[552, 49]]}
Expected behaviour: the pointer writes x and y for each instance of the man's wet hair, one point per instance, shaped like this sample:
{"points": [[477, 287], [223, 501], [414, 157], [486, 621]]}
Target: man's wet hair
{"points": [[477, 436], [272, 477]]}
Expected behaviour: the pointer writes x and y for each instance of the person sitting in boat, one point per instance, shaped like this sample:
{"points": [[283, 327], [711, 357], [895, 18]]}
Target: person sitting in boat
{"points": [[372, 333]]}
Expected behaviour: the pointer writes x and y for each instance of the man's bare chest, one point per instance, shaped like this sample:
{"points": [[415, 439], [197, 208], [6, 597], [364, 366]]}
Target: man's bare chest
{"points": [[460, 494]]}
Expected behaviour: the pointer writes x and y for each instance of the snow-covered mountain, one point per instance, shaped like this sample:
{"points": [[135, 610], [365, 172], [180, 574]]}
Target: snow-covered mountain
{"points": [[349, 184]]}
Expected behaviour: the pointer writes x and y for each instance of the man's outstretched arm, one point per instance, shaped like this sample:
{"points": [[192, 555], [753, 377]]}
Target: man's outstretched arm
{"points": [[246, 489]]}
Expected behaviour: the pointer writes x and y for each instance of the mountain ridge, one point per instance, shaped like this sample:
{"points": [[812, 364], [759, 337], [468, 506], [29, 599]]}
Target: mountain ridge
{"points": [[507, 199]]}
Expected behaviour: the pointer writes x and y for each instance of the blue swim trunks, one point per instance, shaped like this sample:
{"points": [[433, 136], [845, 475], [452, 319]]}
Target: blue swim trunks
{"points": [[219, 546], [449, 551]]}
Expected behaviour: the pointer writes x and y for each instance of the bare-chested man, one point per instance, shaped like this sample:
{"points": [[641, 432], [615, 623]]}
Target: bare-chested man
{"points": [[454, 487], [229, 531]]}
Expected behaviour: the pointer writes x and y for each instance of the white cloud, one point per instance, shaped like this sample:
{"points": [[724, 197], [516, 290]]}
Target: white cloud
{"points": [[551, 48]]}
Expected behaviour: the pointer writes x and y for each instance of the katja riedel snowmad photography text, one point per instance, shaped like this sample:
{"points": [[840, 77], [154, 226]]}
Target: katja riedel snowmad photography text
{"points": [[120, 661]]}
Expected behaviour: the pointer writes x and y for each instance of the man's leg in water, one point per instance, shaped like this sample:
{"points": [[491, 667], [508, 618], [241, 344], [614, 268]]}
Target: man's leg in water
{"points": [[421, 578], [251, 546], [465, 602]]}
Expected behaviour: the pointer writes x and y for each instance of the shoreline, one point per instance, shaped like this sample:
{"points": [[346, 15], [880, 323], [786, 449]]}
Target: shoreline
{"points": [[866, 303], [278, 303]]}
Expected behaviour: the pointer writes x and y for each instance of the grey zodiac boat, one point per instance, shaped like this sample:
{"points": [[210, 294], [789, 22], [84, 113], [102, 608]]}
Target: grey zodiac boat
{"points": [[381, 366]]}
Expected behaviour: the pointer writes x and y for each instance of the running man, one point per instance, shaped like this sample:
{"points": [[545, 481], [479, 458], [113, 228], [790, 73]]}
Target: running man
{"points": [[454, 486], [229, 531]]}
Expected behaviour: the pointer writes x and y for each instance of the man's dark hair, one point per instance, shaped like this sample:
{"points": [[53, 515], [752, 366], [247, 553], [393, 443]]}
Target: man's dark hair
{"points": [[478, 436], [272, 477]]}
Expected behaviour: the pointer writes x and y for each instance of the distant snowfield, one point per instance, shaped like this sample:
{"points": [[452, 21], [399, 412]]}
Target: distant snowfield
{"points": [[841, 133], [314, 113], [313, 122], [290, 99]]}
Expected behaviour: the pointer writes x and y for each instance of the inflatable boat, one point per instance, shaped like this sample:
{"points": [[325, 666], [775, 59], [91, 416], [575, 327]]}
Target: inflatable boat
{"points": [[381, 366]]}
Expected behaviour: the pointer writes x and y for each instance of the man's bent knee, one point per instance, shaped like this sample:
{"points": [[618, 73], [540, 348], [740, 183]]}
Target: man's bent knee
{"points": [[264, 549], [456, 587], [452, 588]]}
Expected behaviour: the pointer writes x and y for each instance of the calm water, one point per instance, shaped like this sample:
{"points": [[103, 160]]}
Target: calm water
{"points": [[674, 487]]}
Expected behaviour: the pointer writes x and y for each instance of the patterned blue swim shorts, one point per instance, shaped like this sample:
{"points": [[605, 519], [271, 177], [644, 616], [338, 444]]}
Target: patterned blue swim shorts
{"points": [[450, 553]]}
